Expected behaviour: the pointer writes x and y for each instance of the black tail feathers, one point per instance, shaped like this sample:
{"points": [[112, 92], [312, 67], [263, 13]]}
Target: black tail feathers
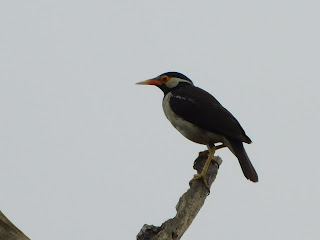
{"points": [[247, 167]]}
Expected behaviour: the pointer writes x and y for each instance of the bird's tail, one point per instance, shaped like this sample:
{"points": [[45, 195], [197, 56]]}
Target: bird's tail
{"points": [[247, 167]]}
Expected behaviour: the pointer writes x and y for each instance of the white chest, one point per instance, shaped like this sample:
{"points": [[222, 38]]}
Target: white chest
{"points": [[187, 129], [175, 120]]}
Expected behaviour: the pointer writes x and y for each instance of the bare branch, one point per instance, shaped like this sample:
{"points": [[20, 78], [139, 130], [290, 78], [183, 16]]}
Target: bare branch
{"points": [[187, 208], [9, 231]]}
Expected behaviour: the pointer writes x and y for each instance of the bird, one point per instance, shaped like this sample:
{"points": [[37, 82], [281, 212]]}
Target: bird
{"points": [[199, 117]]}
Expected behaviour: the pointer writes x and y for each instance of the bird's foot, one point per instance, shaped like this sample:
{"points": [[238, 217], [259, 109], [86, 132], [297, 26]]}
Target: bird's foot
{"points": [[200, 176], [203, 174]]}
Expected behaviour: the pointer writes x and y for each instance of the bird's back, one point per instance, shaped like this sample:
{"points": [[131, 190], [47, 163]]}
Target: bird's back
{"points": [[197, 106]]}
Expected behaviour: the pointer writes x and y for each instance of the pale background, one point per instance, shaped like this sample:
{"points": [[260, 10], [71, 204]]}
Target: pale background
{"points": [[86, 154]]}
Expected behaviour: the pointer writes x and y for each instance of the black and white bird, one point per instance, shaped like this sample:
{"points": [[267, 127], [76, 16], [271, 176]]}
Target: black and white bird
{"points": [[198, 116]]}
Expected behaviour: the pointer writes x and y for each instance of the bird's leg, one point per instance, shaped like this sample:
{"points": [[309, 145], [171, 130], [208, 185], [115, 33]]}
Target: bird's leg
{"points": [[205, 168]]}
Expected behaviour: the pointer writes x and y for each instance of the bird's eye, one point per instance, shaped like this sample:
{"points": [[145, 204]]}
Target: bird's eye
{"points": [[164, 78]]}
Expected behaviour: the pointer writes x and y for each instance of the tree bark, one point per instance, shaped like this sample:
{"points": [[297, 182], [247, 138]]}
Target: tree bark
{"points": [[8, 231], [188, 206]]}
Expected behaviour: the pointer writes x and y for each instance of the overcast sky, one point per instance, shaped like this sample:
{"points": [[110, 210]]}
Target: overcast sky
{"points": [[86, 154]]}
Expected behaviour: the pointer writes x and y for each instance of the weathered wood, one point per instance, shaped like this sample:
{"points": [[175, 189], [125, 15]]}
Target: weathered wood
{"points": [[187, 208], [8, 231]]}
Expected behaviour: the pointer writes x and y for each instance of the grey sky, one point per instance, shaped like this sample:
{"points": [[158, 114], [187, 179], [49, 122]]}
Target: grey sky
{"points": [[86, 154]]}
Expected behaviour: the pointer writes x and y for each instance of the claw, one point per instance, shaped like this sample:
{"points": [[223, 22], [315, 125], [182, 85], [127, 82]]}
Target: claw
{"points": [[200, 176], [203, 173]]}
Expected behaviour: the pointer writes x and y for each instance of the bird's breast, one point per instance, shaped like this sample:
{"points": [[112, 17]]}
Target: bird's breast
{"points": [[188, 129]]}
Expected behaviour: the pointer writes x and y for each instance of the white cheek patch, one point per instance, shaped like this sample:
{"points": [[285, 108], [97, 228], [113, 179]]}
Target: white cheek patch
{"points": [[173, 82]]}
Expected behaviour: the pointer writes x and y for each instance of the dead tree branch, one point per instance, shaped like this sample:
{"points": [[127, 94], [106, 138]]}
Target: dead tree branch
{"points": [[187, 208], [8, 231]]}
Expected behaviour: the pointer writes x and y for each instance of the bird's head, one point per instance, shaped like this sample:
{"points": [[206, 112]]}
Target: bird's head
{"points": [[168, 81]]}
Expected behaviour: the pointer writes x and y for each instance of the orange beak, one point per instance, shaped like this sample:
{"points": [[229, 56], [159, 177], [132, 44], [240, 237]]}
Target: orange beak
{"points": [[152, 81]]}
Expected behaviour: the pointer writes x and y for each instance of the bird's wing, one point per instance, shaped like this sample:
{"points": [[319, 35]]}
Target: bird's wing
{"points": [[200, 108]]}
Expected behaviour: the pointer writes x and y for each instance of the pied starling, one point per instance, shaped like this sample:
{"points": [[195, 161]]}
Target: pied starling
{"points": [[198, 116]]}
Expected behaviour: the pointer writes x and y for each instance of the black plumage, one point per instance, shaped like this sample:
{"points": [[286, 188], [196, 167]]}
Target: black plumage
{"points": [[198, 116], [199, 107]]}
